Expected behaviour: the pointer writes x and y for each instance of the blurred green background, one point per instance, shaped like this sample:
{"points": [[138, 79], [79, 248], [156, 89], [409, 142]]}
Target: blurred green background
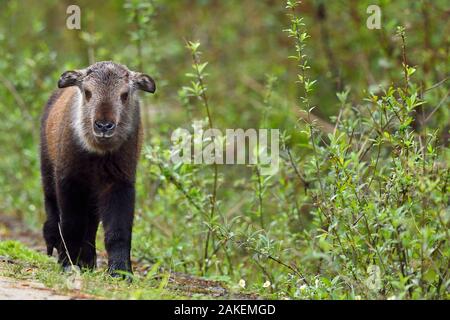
{"points": [[245, 45]]}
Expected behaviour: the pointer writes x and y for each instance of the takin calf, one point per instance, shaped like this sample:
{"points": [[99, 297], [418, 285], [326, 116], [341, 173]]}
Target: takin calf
{"points": [[91, 137]]}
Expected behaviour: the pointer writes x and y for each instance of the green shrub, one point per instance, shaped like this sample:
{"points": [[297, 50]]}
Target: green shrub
{"points": [[360, 205]]}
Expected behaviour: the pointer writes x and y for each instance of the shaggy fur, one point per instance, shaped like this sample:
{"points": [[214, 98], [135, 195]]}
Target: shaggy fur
{"points": [[88, 175]]}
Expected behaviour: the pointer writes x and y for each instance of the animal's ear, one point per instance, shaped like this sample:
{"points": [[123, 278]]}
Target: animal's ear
{"points": [[144, 82], [69, 78]]}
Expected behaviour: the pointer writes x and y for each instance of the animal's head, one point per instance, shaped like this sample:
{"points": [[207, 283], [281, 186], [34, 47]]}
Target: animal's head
{"points": [[107, 112]]}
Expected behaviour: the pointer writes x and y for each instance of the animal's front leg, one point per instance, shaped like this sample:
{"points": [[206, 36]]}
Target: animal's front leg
{"points": [[117, 208], [73, 199], [88, 255]]}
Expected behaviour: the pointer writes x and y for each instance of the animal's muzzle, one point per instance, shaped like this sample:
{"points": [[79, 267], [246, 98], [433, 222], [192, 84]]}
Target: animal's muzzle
{"points": [[104, 128]]}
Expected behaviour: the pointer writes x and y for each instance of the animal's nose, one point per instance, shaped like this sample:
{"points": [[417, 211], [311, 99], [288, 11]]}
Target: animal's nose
{"points": [[104, 126]]}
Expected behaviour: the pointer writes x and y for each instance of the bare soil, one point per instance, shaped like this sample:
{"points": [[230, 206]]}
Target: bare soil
{"points": [[12, 229], [13, 289]]}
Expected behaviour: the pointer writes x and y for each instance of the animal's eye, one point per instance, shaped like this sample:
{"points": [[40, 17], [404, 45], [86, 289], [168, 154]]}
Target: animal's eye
{"points": [[87, 94], [124, 96]]}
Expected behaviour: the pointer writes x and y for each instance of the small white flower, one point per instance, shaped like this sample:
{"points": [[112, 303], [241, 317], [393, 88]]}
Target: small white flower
{"points": [[242, 283], [303, 287], [357, 297], [373, 281], [266, 284]]}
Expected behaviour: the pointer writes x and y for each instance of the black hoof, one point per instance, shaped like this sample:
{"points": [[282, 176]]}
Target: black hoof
{"points": [[71, 269], [121, 274]]}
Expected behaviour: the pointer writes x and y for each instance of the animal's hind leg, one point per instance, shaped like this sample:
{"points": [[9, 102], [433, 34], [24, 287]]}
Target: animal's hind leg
{"points": [[50, 230]]}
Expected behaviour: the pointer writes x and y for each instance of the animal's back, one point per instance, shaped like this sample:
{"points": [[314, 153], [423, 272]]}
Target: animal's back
{"points": [[55, 122]]}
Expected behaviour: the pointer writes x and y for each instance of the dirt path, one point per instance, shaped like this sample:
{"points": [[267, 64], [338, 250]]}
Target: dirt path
{"points": [[13, 289], [12, 229]]}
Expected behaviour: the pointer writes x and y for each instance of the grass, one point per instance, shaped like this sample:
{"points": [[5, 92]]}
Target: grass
{"points": [[23, 263], [27, 264], [359, 207]]}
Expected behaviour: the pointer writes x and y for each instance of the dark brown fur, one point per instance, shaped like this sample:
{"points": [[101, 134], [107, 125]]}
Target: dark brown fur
{"points": [[84, 185]]}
